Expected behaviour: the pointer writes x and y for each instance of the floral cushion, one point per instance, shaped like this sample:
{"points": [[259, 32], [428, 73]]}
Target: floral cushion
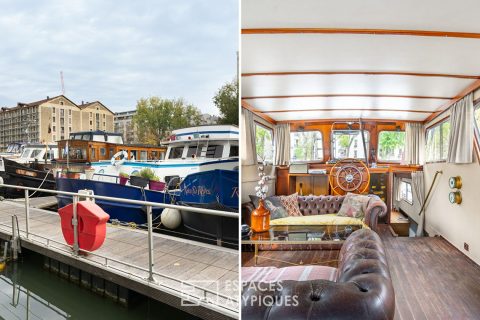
{"points": [[291, 204], [273, 204], [353, 206]]}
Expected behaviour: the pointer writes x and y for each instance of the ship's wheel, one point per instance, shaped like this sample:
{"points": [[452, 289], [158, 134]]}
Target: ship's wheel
{"points": [[349, 175]]}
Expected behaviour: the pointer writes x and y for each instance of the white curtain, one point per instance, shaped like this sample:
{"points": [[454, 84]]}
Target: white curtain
{"points": [[248, 145], [414, 143], [282, 144], [460, 146], [396, 192], [418, 184]]}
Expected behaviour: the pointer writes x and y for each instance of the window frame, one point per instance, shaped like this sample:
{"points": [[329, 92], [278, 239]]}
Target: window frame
{"points": [[256, 123], [408, 185], [378, 148], [433, 126], [476, 138], [308, 161], [368, 139]]}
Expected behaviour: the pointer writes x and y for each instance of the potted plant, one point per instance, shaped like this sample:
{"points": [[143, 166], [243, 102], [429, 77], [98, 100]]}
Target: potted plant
{"points": [[123, 178], [137, 180], [156, 184]]}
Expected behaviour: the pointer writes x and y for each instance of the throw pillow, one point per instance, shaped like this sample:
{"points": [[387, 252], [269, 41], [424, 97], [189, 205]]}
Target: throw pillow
{"points": [[273, 204], [353, 205], [291, 204]]}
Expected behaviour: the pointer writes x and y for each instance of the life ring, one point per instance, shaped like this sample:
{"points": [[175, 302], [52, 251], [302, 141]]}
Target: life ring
{"points": [[120, 161]]}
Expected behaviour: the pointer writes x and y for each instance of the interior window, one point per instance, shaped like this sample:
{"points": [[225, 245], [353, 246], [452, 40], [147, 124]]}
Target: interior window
{"points": [[214, 151], [175, 153], [306, 146], [406, 191], [437, 141], [264, 143], [477, 119], [349, 144], [391, 145]]}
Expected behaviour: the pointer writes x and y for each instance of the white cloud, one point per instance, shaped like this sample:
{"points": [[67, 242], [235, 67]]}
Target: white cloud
{"points": [[117, 51]]}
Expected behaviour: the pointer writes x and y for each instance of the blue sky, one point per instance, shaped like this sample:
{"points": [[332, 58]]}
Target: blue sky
{"points": [[117, 51]]}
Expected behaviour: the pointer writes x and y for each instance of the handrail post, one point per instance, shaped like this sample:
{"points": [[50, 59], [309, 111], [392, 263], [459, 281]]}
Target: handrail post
{"points": [[27, 212], [75, 226], [150, 244]]}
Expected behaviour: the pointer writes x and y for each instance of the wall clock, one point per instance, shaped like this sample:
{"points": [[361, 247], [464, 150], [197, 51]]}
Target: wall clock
{"points": [[455, 182], [455, 197]]}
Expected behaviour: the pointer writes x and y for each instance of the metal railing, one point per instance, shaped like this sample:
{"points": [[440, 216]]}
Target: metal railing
{"points": [[222, 308]]}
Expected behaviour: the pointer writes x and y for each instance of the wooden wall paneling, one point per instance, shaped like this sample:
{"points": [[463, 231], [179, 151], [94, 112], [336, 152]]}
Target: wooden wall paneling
{"points": [[282, 181]]}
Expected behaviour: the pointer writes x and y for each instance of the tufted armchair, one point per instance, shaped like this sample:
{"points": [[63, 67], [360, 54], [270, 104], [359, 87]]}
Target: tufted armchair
{"points": [[319, 205], [359, 288]]}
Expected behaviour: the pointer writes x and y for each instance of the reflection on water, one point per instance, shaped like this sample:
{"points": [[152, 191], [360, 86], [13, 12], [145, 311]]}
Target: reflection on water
{"points": [[27, 291]]}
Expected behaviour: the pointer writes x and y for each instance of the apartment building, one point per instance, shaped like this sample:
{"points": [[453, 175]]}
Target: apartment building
{"points": [[51, 119], [124, 125]]}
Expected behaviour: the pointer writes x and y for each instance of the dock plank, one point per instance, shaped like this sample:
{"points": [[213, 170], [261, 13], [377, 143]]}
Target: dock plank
{"points": [[178, 263]]}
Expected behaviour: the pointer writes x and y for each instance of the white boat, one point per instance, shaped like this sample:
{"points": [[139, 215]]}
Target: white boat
{"points": [[37, 153], [190, 150]]}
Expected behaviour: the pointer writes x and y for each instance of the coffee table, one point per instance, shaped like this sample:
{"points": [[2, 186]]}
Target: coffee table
{"points": [[300, 234]]}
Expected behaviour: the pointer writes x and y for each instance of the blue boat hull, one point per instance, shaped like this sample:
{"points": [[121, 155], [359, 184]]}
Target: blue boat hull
{"points": [[120, 211]]}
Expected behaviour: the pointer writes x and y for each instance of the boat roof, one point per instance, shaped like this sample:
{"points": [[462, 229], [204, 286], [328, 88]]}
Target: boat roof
{"points": [[307, 60], [97, 132], [209, 132]]}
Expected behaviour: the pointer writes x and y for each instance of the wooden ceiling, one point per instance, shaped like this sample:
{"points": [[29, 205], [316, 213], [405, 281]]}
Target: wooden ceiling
{"points": [[307, 60]]}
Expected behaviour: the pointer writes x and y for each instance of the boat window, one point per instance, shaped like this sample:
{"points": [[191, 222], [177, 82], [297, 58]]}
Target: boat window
{"points": [[77, 137], [214, 151], [99, 137], [86, 137], [233, 151], [75, 154], [349, 144], [103, 152], [406, 191], [133, 154], [391, 145], [143, 155], [175, 153], [264, 143], [437, 141], [35, 153], [110, 152], [92, 153], [194, 150], [115, 139], [26, 153], [477, 118], [306, 146]]}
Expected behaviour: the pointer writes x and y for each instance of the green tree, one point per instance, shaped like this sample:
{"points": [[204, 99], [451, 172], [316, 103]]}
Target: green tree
{"points": [[391, 143], [156, 118], [226, 100]]}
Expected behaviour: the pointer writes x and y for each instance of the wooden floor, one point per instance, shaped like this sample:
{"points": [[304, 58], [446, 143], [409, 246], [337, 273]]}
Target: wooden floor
{"points": [[432, 279], [186, 261]]}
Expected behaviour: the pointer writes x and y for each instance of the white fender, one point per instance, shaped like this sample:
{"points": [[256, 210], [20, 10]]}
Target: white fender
{"points": [[119, 162]]}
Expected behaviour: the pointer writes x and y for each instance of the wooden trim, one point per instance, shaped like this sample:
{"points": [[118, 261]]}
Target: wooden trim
{"points": [[247, 106], [320, 121], [348, 109], [416, 33], [373, 73], [346, 95], [472, 87]]}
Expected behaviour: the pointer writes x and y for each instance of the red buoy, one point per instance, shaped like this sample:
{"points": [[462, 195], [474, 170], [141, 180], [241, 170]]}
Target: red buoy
{"points": [[92, 225]]}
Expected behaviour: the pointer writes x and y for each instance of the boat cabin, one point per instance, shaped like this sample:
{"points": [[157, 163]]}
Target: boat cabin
{"points": [[94, 146], [38, 153], [361, 115]]}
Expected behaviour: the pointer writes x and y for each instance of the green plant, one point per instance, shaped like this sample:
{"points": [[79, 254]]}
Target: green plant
{"points": [[123, 175], [155, 178], [147, 173]]}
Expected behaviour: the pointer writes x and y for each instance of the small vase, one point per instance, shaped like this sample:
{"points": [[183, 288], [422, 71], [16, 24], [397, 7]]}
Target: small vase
{"points": [[260, 218], [123, 180]]}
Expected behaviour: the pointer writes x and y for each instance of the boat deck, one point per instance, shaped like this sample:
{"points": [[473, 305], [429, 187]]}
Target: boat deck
{"points": [[205, 274], [39, 202]]}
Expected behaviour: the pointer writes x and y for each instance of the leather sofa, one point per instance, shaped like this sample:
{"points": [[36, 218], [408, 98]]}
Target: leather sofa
{"points": [[360, 289], [320, 205]]}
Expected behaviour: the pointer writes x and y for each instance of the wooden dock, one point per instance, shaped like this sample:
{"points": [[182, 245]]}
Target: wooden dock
{"points": [[39, 202], [198, 278]]}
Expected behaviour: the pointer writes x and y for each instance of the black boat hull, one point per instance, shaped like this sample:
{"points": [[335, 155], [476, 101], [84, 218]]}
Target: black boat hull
{"points": [[214, 227], [22, 175]]}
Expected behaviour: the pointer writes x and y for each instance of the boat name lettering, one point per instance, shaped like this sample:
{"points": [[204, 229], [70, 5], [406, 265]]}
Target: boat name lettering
{"points": [[200, 190], [26, 173]]}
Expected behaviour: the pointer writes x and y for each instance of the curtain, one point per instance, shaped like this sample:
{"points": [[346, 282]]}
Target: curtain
{"points": [[396, 192], [414, 143], [282, 144], [460, 146], [249, 148], [418, 184]]}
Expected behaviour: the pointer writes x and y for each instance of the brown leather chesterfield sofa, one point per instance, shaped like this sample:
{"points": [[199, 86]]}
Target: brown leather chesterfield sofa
{"points": [[360, 287], [318, 205]]}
